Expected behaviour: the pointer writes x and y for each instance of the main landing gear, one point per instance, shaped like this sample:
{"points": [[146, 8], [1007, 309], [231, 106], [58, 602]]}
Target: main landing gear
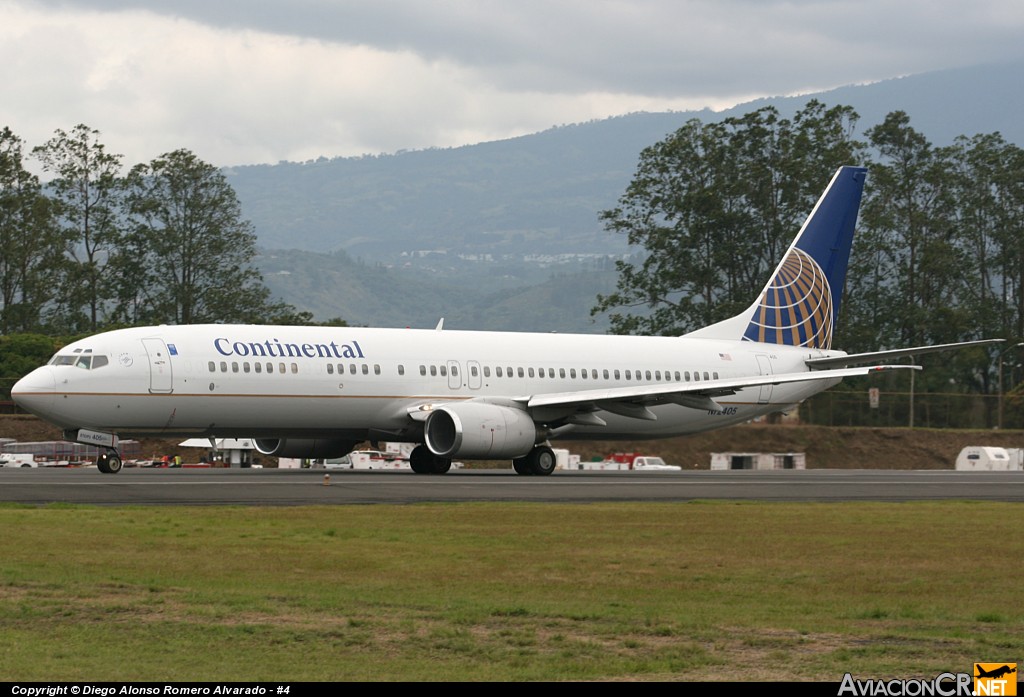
{"points": [[423, 461], [109, 462], [540, 461]]}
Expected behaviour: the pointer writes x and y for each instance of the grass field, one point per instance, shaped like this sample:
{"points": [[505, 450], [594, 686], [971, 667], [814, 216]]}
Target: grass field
{"points": [[509, 592]]}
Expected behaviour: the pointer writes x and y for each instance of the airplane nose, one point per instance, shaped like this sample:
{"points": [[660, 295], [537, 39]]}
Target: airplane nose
{"points": [[35, 392]]}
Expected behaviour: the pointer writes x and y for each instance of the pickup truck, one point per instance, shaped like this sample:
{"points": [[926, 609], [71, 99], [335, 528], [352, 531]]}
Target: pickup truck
{"points": [[17, 460], [652, 463], [635, 461]]}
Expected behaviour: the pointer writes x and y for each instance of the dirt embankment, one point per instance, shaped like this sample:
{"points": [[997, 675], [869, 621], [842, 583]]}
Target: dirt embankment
{"points": [[825, 447]]}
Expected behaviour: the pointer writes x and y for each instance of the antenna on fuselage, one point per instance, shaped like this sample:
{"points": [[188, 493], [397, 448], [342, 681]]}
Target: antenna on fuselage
{"points": [[440, 325]]}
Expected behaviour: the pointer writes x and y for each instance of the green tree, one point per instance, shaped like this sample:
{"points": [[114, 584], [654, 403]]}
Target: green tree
{"points": [[20, 354], [30, 249], [190, 250], [85, 193], [713, 207]]}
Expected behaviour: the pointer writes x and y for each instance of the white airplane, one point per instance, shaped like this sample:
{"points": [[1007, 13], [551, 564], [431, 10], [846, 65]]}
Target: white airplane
{"points": [[317, 392]]}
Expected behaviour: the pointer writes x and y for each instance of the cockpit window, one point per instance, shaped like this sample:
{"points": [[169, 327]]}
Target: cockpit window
{"points": [[85, 360]]}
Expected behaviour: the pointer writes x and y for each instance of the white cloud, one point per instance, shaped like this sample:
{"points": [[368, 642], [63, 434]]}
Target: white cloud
{"points": [[266, 80]]}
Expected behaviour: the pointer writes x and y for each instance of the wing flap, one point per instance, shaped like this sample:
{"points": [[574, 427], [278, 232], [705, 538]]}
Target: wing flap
{"points": [[696, 395]]}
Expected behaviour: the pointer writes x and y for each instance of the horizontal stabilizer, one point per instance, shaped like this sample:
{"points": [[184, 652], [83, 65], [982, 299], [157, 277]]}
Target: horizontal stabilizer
{"points": [[876, 356]]}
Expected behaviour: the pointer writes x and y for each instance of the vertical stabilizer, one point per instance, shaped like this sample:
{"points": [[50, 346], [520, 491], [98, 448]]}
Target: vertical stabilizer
{"points": [[799, 305]]}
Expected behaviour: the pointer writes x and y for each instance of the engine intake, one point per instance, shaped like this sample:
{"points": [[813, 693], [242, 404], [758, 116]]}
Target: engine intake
{"points": [[474, 430], [304, 447]]}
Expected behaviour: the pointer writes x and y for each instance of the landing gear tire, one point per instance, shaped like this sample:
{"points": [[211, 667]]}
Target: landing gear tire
{"points": [[423, 461], [540, 461], [109, 463]]}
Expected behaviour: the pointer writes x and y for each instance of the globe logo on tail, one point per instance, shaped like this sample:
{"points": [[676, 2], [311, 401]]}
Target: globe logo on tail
{"points": [[796, 307]]}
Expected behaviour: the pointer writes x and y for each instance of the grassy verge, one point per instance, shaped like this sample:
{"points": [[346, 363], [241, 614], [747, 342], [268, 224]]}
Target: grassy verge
{"points": [[698, 591]]}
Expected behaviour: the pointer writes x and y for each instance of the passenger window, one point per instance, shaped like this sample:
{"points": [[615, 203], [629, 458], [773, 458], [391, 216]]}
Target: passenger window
{"points": [[519, 371], [572, 373], [223, 366], [433, 370], [561, 372], [706, 375], [366, 369], [376, 369], [497, 371], [686, 376], [677, 376], [455, 370], [583, 373], [605, 374], [629, 375], [213, 367], [530, 371], [270, 367], [245, 367], [401, 370], [715, 375], [330, 369], [423, 370], [444, 371], [295, 368], [258, 367], [657, 375], [616, 374]]}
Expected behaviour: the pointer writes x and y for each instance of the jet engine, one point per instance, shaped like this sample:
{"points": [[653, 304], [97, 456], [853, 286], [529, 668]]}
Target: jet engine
{"points": [[304, 447], [475, 430]]}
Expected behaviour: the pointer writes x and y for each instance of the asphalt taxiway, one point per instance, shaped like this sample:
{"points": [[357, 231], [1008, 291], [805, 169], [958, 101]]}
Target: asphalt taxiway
{"points": [[273, 487]]}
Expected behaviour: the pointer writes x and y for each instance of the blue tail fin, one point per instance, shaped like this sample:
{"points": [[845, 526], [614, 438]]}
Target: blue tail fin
{"points": [[799, 305]]}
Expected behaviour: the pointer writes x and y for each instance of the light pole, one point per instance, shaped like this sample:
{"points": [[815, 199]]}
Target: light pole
{"points": [[999, 422]]}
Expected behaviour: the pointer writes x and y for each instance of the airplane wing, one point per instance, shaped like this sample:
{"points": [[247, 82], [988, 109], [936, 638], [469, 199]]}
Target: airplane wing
{"points": [[633, 401], [876, 356]]}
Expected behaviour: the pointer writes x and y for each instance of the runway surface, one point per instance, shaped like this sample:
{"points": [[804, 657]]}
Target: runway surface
{"points": [[270, 487]]}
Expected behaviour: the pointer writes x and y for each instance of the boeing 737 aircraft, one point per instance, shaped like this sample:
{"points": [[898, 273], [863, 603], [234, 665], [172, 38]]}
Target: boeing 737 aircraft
{"points": [[316, 392]]}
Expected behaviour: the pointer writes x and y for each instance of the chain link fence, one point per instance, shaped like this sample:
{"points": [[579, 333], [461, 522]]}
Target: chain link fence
{"points": [[903, 409]]}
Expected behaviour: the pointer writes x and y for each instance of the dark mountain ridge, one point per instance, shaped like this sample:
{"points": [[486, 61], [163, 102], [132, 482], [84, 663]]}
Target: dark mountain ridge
{"points": [[425, 226]]}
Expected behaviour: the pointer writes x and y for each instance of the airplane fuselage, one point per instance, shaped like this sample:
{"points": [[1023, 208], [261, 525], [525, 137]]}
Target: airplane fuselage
{"points": [[353, 383]]}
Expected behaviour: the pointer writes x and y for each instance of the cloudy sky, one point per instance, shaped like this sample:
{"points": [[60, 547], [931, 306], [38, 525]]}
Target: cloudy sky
{"points": [[253, 81]]}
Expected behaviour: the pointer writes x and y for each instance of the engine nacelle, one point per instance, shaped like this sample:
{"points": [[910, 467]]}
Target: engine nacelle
{"points": [[474, 430], [304, 447]]}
